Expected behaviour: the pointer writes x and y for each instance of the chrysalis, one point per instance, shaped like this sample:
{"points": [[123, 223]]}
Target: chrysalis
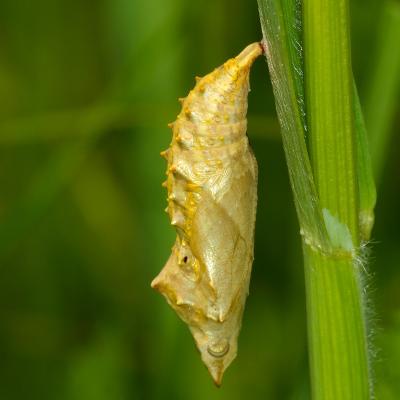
{"points": [[212, 196]]}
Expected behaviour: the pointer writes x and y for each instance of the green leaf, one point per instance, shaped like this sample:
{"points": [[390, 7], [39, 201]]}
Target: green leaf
{"points": [[281, 21]]}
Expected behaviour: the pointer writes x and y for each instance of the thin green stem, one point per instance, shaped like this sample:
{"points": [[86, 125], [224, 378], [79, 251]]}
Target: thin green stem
{"points": [[337, 334], [338, 353], [334, 193], [330, 108]]}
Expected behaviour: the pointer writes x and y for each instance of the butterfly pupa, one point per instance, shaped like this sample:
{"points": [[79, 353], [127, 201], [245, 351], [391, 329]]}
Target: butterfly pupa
{"points": [[212, 197]]}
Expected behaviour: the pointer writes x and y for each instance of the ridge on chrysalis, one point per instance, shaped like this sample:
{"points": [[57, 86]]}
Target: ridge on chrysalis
{"points": [[212, 197]]}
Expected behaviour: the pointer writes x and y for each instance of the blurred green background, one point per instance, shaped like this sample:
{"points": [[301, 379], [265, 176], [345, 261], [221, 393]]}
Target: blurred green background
{"points": [[86, 91]]}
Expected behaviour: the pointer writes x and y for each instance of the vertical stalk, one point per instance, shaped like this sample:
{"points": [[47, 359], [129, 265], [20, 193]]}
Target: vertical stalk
{"points": [[329, 95], [337, 342], [337, 334], [334, 193]]}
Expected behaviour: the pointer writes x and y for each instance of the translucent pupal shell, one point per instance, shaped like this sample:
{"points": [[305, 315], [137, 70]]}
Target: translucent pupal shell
{"points": [[212, 196]]}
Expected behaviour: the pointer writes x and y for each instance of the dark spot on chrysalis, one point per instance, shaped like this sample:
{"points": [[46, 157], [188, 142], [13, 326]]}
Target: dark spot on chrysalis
{"points": [[188, 113]]}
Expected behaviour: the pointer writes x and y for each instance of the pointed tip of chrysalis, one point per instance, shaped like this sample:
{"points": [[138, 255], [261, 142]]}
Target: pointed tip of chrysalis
{"points": [[217, 373], [249, 54], [217, 352]]}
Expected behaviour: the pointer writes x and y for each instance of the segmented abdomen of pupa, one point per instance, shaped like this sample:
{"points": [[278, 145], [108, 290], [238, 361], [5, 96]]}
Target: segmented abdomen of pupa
{"points": [[212, 196]]}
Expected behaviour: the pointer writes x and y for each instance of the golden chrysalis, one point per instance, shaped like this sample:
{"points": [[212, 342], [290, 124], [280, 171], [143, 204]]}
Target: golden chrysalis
{"points": [[212, 197]]}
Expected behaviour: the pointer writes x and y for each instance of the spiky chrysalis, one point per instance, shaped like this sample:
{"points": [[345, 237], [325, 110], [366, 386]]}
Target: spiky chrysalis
{"points": [[212, 196]]}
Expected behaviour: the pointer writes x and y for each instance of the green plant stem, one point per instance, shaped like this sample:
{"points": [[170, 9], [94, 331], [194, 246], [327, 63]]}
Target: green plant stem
{"points": [[329, 94], [338, 357], [337, 334], [335, 193]]}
